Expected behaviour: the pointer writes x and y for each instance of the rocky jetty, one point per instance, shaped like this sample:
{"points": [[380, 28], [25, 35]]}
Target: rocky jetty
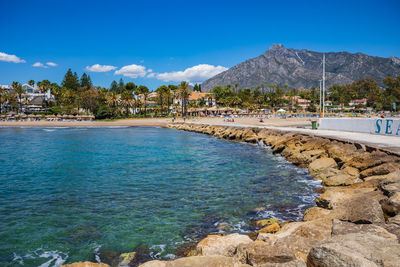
{"points": [[356, 220]]}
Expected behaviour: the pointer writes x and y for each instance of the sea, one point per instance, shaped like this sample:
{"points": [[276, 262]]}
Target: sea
{"points": [[71, 194]]}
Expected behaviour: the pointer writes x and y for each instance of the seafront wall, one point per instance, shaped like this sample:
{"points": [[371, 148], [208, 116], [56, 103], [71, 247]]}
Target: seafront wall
{"points": [[381, 126], [356, 220]]}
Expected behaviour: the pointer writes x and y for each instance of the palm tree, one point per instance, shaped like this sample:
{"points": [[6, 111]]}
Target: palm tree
{"points": [[31, 83], [160, 90], [19, 91], [2, 97], [184, 93], [113, 100], [127, 100], [143, 90]]}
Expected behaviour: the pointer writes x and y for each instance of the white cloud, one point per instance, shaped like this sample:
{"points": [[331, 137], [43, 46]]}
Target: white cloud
{"points": [[100, 68], [197, 73], [151, 75], [51, 64], [10, 58], [132, 71], [39, 65]]}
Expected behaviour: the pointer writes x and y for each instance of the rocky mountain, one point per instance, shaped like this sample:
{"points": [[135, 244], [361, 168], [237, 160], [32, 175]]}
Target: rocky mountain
{"points": [[303, 69]]}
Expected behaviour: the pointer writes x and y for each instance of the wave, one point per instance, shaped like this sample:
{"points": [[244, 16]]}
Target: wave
{"points": [[51, 258]]}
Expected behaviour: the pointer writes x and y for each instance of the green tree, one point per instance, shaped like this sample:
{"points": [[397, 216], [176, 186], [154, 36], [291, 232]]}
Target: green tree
{"points": [[127, 100], [391, 93], [90, 100], [2, 98], [86, 81], [144, 91], [19, 92], [70, 81], [184, 93], [162, 95], [31, 83], [114, 87], [121, 86]]}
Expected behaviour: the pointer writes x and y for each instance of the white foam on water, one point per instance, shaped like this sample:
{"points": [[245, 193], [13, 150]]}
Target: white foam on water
{"points": [[170, 256], [54, 258], [96, 253], [18, 259], [157, 250]]}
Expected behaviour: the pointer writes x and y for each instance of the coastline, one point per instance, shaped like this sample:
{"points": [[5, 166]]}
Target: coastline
{"points": [[358, 207], [155, 122], [356, 220]]}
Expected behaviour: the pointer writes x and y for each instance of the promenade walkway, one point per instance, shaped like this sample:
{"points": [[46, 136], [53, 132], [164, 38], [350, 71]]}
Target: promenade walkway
{"points": [[383, 142]]}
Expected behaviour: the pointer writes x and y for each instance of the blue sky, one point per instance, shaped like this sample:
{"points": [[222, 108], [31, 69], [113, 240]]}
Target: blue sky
{"points": [[160, 42]]}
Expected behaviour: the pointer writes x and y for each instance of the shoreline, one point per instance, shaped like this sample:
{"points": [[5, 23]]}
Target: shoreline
{"points": [[156, 122], [358, 207], [356, 220], [122, 123]]}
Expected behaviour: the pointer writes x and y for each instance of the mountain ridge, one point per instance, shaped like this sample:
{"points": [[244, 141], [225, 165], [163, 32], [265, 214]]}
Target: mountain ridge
{"points": [[302, 68]]}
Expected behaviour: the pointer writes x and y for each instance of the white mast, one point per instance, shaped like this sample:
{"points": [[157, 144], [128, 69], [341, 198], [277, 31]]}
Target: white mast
{"points": [[323, 86], [320, 98]]}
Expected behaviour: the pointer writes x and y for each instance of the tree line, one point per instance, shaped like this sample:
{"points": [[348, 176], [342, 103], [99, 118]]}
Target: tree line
{"points": [[274, 96], [76, 95]]}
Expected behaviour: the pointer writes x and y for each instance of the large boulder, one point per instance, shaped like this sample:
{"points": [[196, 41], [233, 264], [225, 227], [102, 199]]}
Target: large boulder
{"points": [[342, 228], [202, 261], [334, 196], [259, 252], [382, 169], [299, 237], [85, 264], [321, 164], [221, 245], [359, 249], [341, 152], [335, 177], [315, 143], [361, 209], [315, 213], [306, 157], [368, 160]]}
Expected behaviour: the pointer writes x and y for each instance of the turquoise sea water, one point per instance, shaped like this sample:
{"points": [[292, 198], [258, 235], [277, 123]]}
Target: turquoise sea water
{"points": [[71, 194]]}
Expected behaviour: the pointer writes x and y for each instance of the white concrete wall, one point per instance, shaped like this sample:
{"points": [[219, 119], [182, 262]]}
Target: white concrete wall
{"points": [[384, 126]]}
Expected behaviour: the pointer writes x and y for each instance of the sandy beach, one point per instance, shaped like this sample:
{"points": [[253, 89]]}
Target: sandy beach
{"points": [[159, 122]]}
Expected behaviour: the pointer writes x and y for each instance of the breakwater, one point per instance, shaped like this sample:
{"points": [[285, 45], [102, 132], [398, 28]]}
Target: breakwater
{"points": [[356, 220]]}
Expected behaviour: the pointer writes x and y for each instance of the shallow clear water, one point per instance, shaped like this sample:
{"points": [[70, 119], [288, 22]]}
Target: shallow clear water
{"points": [[67, 194]]}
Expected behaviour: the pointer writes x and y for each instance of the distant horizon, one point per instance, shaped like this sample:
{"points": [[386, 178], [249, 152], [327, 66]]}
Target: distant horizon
{"points": [[159, 43]]}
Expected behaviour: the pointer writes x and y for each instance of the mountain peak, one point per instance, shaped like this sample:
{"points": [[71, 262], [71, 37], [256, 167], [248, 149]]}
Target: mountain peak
{"points": [[277, 50], [303, 69], [276, 47]]}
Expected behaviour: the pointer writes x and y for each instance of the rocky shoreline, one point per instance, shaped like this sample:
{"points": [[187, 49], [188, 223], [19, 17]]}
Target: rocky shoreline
{"points": [[356, 220]]}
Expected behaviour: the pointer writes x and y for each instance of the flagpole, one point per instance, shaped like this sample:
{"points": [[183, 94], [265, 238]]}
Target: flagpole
{"points": [[320, 98], [323, 86]]}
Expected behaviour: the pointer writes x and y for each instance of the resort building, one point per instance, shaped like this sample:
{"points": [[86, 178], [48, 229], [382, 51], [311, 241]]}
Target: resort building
{"points": [[196, 97], [357, 102]]}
